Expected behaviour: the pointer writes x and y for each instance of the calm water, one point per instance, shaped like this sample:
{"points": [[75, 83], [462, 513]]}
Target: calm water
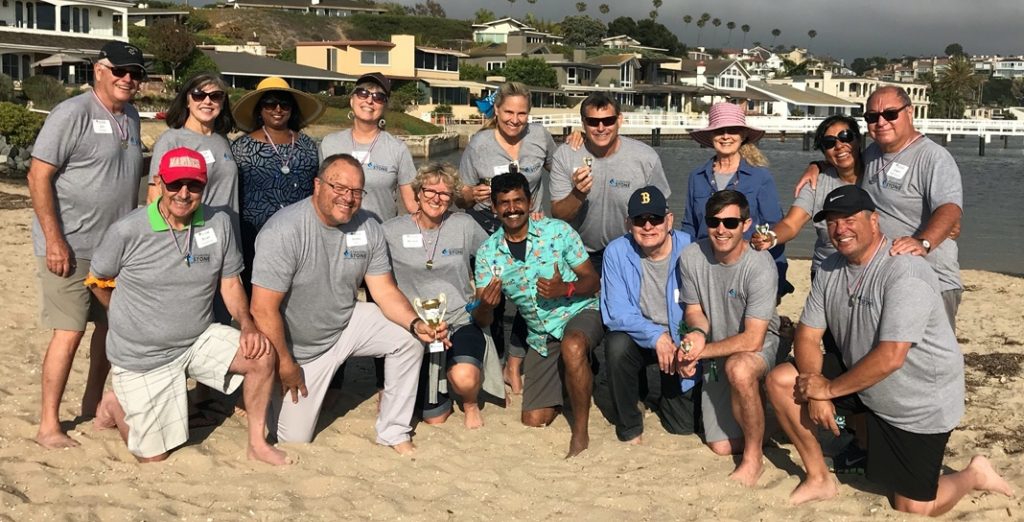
{"points": [[992, 232]]}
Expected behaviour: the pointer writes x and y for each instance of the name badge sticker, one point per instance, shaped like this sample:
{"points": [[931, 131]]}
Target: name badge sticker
{"points": [[205, 238], [501, 169], [208, 156], [102, 127], [357, 238], [412, 240], [897, 171], [360, 156], [677, 297]]}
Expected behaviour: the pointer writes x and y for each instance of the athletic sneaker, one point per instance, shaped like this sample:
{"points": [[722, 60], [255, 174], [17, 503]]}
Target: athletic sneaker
{"points": [[850, 461]]}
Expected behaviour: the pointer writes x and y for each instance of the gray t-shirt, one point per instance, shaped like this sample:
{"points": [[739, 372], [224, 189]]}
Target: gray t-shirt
{"points": [[811, 201], [602, 217], [730, 293], [450, 248], [484, 159], [97, 180], [386, 164], [162, 303], [653, 281], [320, 268], [907, 187], [897, 300], [221, 192]]}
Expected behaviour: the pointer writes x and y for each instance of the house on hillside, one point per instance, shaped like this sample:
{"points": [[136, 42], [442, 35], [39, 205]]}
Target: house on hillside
{"points": [[435, 71], [142, 15], [498, 31], [795, 100], [493, 56], [1009, 68], [315, 7], [243, 70], [857, 89], [58, 38]]}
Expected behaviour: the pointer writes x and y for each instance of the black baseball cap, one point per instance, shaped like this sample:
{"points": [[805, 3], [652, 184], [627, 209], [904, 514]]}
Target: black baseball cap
{"points": [[845, 200], [122, 54], [647, 201], [377, 78]]}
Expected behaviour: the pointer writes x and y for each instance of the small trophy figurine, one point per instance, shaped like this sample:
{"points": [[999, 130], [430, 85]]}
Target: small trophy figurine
{"points": [[497, 270], [588, 161], [763, 229], [432, 311], [513, 168]]}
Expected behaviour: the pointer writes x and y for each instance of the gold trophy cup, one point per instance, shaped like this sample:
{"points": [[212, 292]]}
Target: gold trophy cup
{"points": [[432, 312]]}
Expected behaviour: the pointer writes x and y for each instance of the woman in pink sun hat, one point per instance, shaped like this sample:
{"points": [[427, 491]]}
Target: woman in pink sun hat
{"points": [[737, 165]]}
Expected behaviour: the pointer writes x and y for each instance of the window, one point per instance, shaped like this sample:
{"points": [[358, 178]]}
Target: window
{"points": [[31, 11], [496, 65], [570, 75], [842, 86], [10, 65], [436, 62], [85, 20], [373, 58], [332, 59], [19, 16]]}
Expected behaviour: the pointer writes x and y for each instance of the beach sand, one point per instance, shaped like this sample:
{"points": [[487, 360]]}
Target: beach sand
{"points": [[502, 471]]}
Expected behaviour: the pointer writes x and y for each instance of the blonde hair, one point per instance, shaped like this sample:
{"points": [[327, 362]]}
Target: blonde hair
{"points": [[753, 155], [508, 90], [438, 171]]}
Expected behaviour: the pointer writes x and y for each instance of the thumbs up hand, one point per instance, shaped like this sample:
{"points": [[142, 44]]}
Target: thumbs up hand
{"points": [[554, 287]]}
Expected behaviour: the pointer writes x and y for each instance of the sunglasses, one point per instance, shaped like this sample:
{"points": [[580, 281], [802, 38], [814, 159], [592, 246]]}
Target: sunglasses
{"points": [[642, 221], [844, 136], [377, 97], [731, 223], [608, 121], [889, 114], [194, 187], [273, 103], [737, 131], [119, 72], [198, 95]]}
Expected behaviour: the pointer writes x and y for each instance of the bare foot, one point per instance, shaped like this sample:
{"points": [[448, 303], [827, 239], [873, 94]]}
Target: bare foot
{"points": [[269, 454], [812, 489], [577, 444], [637, 441], [440, 419], [513, 377], [104, 417], [55, 439], [748, 472], [989, 479], [404, 449], [473, 418]]}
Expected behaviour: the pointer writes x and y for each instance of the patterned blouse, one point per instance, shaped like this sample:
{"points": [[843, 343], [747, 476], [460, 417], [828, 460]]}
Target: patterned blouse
{"points": [[263, 186]]}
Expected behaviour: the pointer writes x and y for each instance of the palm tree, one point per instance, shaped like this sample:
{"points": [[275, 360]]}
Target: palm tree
{"points": [[746, 29], [729, 25], [810, 35], [657, 3], [653, 14], [581, 6], [687, 19], [775, 34], [700, 26], [956, 87], [603, 8], [717, 22]]}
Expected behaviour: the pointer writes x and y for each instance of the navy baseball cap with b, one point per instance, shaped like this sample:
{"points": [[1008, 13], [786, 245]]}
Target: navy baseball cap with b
{"points": [[122, 54], [846, 200], [647, 201]]}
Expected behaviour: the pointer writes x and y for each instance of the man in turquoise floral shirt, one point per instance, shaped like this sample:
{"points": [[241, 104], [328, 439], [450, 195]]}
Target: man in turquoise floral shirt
{"points": [[542, 266]]}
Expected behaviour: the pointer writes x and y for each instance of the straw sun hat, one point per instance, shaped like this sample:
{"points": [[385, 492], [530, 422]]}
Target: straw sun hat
{"points": [[309, 107], [724, 115]]}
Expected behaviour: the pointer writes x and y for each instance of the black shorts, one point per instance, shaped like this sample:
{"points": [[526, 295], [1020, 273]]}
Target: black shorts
{"points": [[542, 385]]}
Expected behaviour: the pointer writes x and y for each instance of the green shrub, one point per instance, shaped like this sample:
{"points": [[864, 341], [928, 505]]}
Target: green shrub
{"points": [[19, 124], [404, 96], [6, 88], [44, 91]]}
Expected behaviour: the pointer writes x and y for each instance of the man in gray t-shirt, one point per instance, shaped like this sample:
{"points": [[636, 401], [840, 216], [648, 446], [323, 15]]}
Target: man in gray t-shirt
{"points": [[729, 291], [85, 171], [916, 185], [311, 258], [169, 259], [905, 369], [590, 187]]}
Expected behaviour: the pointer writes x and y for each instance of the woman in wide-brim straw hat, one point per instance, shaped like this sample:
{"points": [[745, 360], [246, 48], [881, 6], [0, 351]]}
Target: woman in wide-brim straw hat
{"points": [[737, 165], [276, 161]]}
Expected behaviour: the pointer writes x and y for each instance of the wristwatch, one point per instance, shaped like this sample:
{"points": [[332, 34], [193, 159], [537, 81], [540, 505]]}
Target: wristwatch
{"points": [[927, 246]]}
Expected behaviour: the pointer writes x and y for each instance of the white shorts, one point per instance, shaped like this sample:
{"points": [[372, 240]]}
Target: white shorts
{"points": [[155, 402]]}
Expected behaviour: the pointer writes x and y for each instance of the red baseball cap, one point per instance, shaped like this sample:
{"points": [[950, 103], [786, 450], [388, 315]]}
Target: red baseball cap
{"points": [[182, 163]]}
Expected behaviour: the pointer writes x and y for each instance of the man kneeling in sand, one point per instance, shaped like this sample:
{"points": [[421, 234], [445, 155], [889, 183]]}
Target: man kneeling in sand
{"points": [[168, 259], [905, 372], [729, 291]]}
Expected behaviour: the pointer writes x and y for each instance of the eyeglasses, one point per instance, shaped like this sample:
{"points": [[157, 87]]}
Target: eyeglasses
{"points": [[431, 194], [889, 114], [344, 191], [119, 72], [731, 223], [273, 103], [198, 95], [608, 121], [844, 136], [642, 221], [194, 187], [377, 97]]}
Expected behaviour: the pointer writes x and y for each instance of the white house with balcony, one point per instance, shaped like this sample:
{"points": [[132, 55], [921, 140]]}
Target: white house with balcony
{"points": [[58, 37], [498, 31]]}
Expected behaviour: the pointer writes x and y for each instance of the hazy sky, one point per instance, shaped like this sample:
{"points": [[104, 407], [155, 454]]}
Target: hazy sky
{"points": [[846, 28]]}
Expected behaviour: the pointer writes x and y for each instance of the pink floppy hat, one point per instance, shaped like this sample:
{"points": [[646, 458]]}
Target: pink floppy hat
{"points": [[723, 115]]}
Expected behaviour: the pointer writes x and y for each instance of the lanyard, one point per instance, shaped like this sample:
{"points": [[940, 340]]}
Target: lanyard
{"points": [[122, 130], [285, 168]]}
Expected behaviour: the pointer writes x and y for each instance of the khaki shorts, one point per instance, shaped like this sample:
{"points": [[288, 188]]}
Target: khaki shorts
{"points": [[716, 400], [64, 302], [542, 384], [155, 402]]}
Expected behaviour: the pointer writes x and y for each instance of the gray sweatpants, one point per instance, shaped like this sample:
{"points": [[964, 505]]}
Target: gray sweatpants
{"points": [[369, 334]]}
